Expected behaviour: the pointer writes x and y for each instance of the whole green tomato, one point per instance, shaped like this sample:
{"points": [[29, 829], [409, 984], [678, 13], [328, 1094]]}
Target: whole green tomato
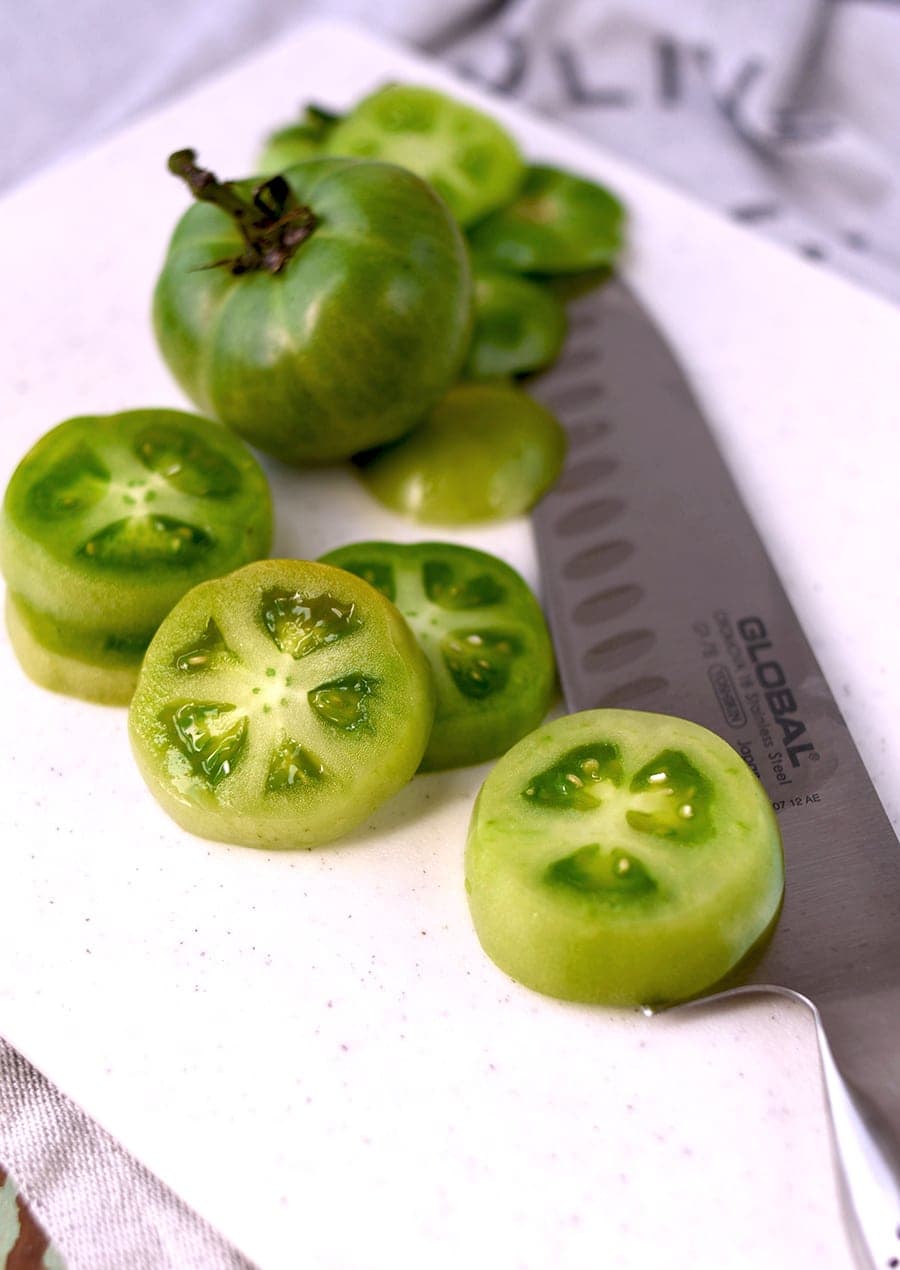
{"points": [[317, 313]]}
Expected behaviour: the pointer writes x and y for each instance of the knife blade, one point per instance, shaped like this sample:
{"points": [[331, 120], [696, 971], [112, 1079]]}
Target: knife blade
{"points": [[660, 596]]}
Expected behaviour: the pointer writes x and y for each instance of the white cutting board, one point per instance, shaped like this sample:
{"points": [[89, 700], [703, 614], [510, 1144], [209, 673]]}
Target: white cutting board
{"points": [[311, 1048]]}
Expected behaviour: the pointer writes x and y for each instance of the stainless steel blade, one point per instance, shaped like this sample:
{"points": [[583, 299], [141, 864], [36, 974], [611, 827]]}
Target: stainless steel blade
{"points": [[661, 597]]}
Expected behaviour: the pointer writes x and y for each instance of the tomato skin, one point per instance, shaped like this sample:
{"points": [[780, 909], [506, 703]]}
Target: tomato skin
{"points": [[248, 661], [486, 452], [590, 888], [350, 343], [483, 633], [68, 667], [106, 522]]}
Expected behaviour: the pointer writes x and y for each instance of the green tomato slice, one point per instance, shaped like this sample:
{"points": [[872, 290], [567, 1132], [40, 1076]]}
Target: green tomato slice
{"points": [[519, 326], [623, 858], [106, 523], [296, 142], [466, 156], [558, 223], [486, 452], [280, 705], [91, 665], [483, 633]]}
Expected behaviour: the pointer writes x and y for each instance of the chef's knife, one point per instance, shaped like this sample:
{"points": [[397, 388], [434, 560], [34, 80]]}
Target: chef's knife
{"points": [[661, 597]]}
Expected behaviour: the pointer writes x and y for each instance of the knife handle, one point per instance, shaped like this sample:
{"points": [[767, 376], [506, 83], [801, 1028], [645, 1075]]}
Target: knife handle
{"points": [[868, 1165]]}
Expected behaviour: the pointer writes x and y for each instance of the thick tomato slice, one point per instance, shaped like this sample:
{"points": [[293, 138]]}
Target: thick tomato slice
{"points": [[558, 223], [280, 705], [106, 522], [466, 156], [484, 635], [622, 857], [520, 326]]}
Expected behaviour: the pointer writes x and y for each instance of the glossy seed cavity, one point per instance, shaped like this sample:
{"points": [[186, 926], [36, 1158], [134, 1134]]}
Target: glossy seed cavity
{"points": [[480, 662], [345, 703], [73, 484], [137, 542], [671, 798], [574, 782], [199, 653], [610, 876], [449, 588], [208, 736], [293, 766], [186, 462], [300, 624]]}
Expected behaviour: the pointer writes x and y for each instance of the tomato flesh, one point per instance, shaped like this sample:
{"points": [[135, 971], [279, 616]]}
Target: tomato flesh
{"points": [[484, 635], [106, 522], [278, 706], [486, 452], [624, 858]]}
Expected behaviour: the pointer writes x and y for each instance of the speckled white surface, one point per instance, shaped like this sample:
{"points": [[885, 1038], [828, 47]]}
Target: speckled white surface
{"points": [[311, 1048]]}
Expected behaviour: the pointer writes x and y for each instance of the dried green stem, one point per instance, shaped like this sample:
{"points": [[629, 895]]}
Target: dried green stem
{"points": [[270, 220]]}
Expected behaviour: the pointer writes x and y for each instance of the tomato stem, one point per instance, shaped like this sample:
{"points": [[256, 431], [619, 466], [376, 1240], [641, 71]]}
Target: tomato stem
{"points": [[270, 220]]}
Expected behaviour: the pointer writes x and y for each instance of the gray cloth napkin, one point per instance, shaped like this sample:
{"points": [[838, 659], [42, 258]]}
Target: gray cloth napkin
{"points": [[784, 114], [99, 1206]]}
